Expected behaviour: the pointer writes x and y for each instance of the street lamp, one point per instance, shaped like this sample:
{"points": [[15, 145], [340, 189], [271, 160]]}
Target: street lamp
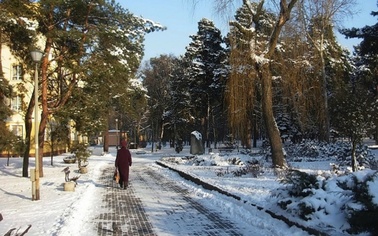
{"points": [[36, 56]]}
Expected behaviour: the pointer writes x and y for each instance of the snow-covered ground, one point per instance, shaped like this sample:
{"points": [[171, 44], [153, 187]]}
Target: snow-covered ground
{"points": [[69, 213]]}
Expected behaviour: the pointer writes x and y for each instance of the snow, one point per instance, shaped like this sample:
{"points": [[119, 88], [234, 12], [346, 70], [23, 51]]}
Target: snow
{"points": [[60, 212], [197, 135]]}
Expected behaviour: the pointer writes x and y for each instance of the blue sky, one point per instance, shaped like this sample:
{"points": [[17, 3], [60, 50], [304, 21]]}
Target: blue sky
{"points": [[181, 20]]}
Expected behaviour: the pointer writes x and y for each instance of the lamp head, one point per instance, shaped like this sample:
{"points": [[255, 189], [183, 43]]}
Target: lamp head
{"points": [[36, 55]]}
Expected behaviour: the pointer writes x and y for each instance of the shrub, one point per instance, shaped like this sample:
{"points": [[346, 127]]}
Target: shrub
{"points": [[339, 151], [299, 182], [252, 167], [81, 152], [311, 196], [362, 213], [295, 196]]}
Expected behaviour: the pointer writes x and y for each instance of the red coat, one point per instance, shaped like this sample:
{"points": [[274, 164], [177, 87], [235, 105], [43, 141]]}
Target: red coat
{"points": [[123, 162]]}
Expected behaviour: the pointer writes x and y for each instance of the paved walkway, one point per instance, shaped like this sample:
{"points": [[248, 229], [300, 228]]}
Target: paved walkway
{"points": [[124, 213], [156, 205]]}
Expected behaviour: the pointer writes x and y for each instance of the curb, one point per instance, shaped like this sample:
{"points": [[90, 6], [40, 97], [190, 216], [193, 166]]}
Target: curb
{"points": [[214, 188]]}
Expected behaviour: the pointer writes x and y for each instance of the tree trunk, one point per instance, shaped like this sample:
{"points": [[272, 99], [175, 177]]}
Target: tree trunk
{"points": [[203, 131], [152, 136], [208, 122], [325, 131], [255, 134], [45, 112], [376, 132], [138, 128], [354, 161], [52, 151], [28, 128], [266, 83], [250, 130], [41, 136], [270, 123], [162, 128], [106, 140], [214, 132]]}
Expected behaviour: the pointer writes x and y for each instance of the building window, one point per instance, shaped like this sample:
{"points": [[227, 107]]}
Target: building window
{"points": [[17, 130], [16, 103], [17, 72]]}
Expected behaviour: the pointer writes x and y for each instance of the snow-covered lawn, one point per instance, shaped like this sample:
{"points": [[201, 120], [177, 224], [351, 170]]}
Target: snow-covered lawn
{"points": [[324, 204]]}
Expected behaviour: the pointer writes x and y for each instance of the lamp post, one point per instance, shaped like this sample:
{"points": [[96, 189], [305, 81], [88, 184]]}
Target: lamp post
{"points": [[116, 120], [36, 56]]}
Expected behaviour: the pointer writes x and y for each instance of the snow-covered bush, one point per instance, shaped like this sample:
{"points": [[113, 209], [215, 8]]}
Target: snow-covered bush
{"points": [[371, 162], [339, 151], [235, 161], [199, 161], [362, 212], [176, 160], [351, 198], [190, 160], [251, 167], [300, 183], [312, 149]]}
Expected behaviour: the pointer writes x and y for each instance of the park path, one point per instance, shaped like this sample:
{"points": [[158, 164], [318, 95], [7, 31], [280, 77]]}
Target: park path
{"points": [[156, 205]]}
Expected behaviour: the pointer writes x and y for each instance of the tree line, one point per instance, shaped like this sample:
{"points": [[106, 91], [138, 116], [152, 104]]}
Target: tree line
{"points": [[279, 74]]}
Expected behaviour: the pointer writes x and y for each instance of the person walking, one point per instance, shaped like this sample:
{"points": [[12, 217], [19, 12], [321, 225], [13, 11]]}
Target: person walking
{"points": [[122, 163]]}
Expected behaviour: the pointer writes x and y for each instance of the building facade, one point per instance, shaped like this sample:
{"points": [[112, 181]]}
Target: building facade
{"points": [[22, 82]]}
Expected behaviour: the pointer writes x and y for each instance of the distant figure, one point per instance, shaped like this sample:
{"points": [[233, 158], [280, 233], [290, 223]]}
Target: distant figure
{"points": [[122, 163]]}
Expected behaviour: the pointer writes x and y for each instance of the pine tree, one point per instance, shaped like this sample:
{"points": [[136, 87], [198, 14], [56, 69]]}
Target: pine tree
{"points": [[206, 75], [366, 59], [157, 80], [180, 106], [353, 113]]}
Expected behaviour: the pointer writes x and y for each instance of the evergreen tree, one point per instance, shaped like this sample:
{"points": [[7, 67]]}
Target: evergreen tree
{"points": [[367, 60], [353, 114], [156, 79], [206, 75], [180, 105]]}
